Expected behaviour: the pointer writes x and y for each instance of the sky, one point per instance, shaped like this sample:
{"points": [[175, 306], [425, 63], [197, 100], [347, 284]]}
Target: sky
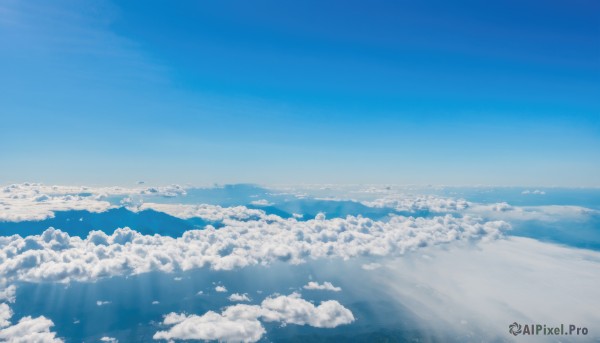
{"points": [[271, 92]]}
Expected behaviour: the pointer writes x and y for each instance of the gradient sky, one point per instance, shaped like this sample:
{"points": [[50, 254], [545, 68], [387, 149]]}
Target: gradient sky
{"points": [[406, 92]]}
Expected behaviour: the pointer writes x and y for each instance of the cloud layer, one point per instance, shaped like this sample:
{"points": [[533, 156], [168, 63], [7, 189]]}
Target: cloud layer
{"points": [[35, 201], [57, 257]]}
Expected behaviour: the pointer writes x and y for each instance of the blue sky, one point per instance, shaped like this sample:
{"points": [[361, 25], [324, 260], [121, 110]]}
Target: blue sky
{"points": [[421, 92]]}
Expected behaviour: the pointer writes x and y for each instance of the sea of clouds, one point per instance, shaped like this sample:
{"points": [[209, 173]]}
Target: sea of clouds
{"points": [[474, 232]]}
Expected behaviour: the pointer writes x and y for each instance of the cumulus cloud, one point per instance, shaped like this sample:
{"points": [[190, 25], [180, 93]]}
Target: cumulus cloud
{"points": [[211, 326], [55, 256], [240, 323], [261, 202], [326, 286], [8, 293], [102, 303], [167, 192], [221, 289], [5, 315], [239, 297], [292, 309], [26, 330], [109, 339]]}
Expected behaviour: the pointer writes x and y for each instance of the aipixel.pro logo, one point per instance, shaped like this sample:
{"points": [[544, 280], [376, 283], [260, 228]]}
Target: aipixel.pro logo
{"points": [[516, 329]]}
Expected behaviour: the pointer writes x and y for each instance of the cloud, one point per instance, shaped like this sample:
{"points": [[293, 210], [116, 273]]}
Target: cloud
{"points": [[35, 201], [499, 211], [535, 192], [26, 330], [5, 315], [326, 286], [292, 309], [21, 203], [8, 293], [477, 292], [240, 323], [167, 192], [261, 202], [55, 256], [548, 213], [411, 203], [221, 289], [109, 339], [205, 211], [211, 326], [102, 303], [239, 297], [371, 266]]}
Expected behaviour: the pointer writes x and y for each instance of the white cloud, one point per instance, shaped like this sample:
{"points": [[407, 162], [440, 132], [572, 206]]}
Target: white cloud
{"points": [[212, 326], [109, 339], [240, 323], [221, 289], [412, 203], [168, 191], [499, 211], [20, 203], [26, 330], [535, 192], [371, 266], [5, 315], [155, 302], [102, 303], [478, 292], [8, 293], [239, 297], [292, 309], [55, 256], [548, 213], [326, 286], [205, 211], [35, 201], [261, 202]]}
